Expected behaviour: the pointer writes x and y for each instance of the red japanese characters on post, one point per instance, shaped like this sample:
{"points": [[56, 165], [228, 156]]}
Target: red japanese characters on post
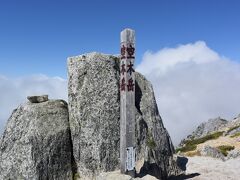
{"points": [[130, 52], [130, 68], [127, 56], [123, 69], [123, 52], [130, 85], [127, 52], [123, 84]]}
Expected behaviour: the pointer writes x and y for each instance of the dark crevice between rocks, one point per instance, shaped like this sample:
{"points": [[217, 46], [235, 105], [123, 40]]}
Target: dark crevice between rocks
{"points": [[117, 63], [73, 162], [138, 97], [142, 131], [170, 145], [156, 107]]}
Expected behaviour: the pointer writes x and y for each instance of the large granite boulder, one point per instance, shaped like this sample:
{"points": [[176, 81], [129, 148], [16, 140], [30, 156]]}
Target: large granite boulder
{"points": [[36, 143], [94, 115]]}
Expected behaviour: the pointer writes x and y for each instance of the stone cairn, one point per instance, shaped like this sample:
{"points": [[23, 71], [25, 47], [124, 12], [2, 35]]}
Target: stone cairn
{"points": [[127, 107], [38, 99]]}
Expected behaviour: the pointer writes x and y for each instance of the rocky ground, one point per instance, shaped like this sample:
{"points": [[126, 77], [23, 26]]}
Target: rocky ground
{"points": [[202, 153], [197, 168], [207, 168], [116, 175]]}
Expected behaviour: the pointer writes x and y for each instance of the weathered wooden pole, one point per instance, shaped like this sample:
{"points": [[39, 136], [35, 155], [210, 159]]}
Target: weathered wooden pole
{"points": [[127, 110]]}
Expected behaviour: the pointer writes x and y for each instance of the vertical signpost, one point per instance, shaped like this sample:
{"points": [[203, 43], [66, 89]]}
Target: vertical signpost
{"points": [[127, 108]]}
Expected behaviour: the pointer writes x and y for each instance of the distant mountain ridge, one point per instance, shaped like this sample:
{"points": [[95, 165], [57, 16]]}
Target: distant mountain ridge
{"points": [[217, 138]]}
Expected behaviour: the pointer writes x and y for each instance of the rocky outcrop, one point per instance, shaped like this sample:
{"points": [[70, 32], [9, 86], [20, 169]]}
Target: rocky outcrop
{"points": [[235, 130], [233, 154], [212, 152], [206, 128], [154, 145], [36, 143], [94, 109]]}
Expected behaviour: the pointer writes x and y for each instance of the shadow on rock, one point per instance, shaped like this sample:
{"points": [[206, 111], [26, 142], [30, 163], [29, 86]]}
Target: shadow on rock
{"points": [[182, 162], [183, 176], [151, 169], [154, 170]]}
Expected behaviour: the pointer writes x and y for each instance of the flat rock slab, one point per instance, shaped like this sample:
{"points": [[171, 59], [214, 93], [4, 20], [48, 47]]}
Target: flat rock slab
{"points": [[116, 175], [38, 99], [207, 168]]}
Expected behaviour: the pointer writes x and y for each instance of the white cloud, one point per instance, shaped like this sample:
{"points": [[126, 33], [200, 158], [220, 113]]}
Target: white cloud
{"points": [[192, 83], [15, 90]]}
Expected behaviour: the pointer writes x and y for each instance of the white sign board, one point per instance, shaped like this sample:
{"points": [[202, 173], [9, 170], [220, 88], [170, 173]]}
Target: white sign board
{"points": [[130, 163]]}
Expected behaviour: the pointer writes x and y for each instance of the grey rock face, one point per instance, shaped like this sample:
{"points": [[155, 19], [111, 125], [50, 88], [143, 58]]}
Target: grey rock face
{"points": [[153, 141], [36, 143], [38, 99], [233, 154], [212, 152], [234, 131], [210, 126], [235, 122], [94, 113], [94, 108]]}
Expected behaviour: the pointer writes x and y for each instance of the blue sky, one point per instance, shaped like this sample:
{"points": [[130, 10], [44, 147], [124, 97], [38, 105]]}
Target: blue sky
{"points": [[188, 49], [37, 36]]}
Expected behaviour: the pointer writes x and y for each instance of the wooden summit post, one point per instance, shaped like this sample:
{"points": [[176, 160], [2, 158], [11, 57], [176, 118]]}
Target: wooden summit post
{"points": [[127, 108]]}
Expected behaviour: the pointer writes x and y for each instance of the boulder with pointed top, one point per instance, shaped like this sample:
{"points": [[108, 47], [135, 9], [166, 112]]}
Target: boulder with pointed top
{"points": [[94, 109]]}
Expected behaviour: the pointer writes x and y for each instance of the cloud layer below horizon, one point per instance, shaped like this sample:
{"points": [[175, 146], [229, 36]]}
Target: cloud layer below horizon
{"points": [[192, 83]]}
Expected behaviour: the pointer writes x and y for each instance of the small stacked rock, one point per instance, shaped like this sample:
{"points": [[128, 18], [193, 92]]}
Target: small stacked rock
{"points": [[38, 99]]}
